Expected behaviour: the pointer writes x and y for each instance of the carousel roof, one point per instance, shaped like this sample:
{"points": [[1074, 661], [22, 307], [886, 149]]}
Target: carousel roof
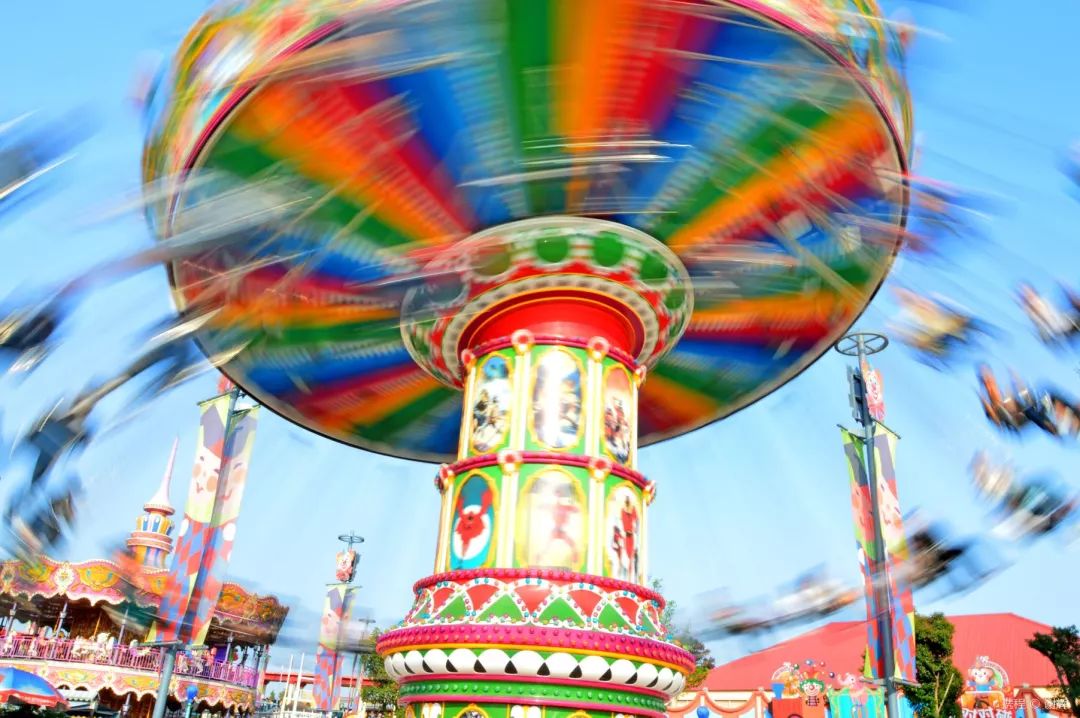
{"points": [[104, 582]]}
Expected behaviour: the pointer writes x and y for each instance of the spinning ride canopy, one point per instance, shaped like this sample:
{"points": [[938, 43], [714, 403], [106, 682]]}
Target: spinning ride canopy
{"points": [[763, 142]]}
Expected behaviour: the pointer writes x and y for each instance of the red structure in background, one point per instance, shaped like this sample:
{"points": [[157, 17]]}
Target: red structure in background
{"points": [[741, 688], [279, 676]]}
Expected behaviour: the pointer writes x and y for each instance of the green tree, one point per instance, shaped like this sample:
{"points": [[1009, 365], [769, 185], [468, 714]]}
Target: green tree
{"points": [[703, 660], [1062, 648], [938, 693], [381, 698]]}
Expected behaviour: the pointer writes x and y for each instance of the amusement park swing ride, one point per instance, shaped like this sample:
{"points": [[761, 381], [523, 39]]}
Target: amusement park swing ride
{"points": [[511, 262], [522, 239]]}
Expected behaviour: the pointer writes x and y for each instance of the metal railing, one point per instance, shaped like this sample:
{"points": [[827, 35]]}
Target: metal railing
{"points": [[139, 659]]}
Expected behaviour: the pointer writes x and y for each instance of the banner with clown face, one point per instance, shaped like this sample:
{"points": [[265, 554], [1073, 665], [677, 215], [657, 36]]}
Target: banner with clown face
{"points": [[901, 603], [328, 658], [222, 528], [190, 541], [205, 538], [346, 565], [901, 600]]}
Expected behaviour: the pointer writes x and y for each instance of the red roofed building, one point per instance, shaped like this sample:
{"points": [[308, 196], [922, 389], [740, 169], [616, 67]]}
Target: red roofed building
{"points": [[989, 647]]}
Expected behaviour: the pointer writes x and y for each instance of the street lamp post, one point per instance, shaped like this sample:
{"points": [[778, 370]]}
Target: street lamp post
{"points": [[862, 345]]}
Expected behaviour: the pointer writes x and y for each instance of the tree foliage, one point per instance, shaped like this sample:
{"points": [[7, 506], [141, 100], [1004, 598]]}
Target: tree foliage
{"points": [[380, 699], [940, 683], [703, 660], [1062, 648]]}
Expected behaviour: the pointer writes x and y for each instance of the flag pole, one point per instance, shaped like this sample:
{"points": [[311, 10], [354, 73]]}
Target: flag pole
{"points": [[285, 694], [862, 345], [299, 676]]}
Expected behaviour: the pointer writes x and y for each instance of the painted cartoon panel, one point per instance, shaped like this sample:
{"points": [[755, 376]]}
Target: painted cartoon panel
{"points": [[985, 691], [622, 531], [855, 697], [551, 521], [491, 405], [618, 414], [556, 400], [474, 523], [811, 690]]}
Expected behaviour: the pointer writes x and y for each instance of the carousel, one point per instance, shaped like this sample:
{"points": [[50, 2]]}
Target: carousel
{"points": [[78, 625]]}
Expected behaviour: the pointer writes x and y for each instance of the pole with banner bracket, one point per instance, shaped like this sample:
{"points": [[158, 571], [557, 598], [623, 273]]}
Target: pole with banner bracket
{"points": [[861, 345]]}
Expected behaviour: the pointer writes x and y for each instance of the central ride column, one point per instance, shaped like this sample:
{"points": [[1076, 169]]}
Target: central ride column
{"points": [[537, 608]]}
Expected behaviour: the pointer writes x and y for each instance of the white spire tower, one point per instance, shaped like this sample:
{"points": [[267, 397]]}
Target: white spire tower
{"points": [[151, 542]]}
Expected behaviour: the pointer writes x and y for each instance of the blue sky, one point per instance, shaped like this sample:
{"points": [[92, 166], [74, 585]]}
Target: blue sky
{"points": [[747, 504]]}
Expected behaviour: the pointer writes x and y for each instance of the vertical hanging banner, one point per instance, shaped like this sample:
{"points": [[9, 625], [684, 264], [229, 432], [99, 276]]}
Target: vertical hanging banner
{"points": [[328, 657], [894, 539], [204, 542], [191, 537], [222, 530], [901, 601], [864, 542], [875, 396]]}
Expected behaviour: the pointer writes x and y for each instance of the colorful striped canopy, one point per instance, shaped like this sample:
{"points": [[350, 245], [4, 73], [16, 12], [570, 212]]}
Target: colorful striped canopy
{"points": [[764, 142]]}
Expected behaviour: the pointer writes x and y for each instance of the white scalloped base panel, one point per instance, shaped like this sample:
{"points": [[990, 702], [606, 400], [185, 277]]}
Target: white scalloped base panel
{"points": [[527, 663]]}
